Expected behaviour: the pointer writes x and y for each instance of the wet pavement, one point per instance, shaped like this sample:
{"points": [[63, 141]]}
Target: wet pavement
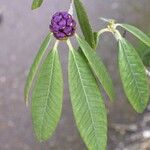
{"points": [[21, 32]]}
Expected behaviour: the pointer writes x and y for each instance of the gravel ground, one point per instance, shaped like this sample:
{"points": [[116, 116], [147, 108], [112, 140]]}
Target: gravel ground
{"points": [[21, 32]]}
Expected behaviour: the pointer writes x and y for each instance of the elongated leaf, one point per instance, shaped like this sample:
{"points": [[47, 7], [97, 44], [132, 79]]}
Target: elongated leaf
{"points": [[98, 67], [145, 56], [47, 97], [136, 32], [84, 23], [133, 76], [36, 4], [144, 52], [87, 103], [35, 66]]}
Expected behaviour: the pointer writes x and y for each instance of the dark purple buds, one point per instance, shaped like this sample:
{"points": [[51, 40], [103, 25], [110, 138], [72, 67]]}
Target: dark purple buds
{"points": [[62, 25]]}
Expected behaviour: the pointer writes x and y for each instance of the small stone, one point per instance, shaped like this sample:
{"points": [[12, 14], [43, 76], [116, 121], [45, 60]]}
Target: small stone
{"points": [[146, 134]]}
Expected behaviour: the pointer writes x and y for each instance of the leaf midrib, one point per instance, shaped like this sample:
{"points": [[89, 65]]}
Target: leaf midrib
{"points": [[48, 92], [86, 99]]}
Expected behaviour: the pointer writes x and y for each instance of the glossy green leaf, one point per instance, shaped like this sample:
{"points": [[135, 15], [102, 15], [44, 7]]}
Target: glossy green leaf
{"points": [[98, 67], [136, 32], [87, 102], [84, 23], [36, 4], [47, 97], [133, 76], [35, 65]]}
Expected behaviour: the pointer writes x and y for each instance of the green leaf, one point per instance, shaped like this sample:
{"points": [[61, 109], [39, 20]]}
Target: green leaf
{"points": [[36, 4], [98, 67], [84, 23], [96, 38], [35, 65], [133, 76], [47, 97], [144, 52], [136, 32], [87, 102], [146, 57]]}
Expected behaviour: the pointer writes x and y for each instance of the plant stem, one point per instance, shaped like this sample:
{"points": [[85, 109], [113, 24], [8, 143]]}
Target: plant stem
{"points": [[117, 35], [70, 11], [102, 31], [56, 44], [69, 44]]}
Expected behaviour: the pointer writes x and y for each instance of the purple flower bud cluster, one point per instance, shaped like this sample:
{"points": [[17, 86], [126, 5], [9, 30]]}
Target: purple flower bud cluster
{"points": [[62, 25]]}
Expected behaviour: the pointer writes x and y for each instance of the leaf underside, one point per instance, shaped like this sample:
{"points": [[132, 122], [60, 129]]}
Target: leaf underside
{"points": [[35, 65], [98, 67], [136, 32], [87, 102], [47, 97], [84, 23], [36, 4], [133, 76]]}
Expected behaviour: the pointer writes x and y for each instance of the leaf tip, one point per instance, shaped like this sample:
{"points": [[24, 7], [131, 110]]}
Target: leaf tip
{"points": [[36, 4], [139, 110], [113, 99], [26, 103], [33, 7]]}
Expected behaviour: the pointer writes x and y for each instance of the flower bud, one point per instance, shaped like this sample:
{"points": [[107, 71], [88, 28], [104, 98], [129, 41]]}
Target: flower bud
{"points": [[62, 25]]}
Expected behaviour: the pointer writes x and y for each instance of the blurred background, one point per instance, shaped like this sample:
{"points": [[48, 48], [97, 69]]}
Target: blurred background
{"points": [[21, 32]]}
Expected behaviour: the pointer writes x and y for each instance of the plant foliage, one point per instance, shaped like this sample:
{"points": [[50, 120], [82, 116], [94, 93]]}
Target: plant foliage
{"points": [[133, 76], [36, 4], [84, 23], [47, 97], [85, 71], [144, 52], [98, 67], [87, 103], [137, 33], [35, 65]]}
